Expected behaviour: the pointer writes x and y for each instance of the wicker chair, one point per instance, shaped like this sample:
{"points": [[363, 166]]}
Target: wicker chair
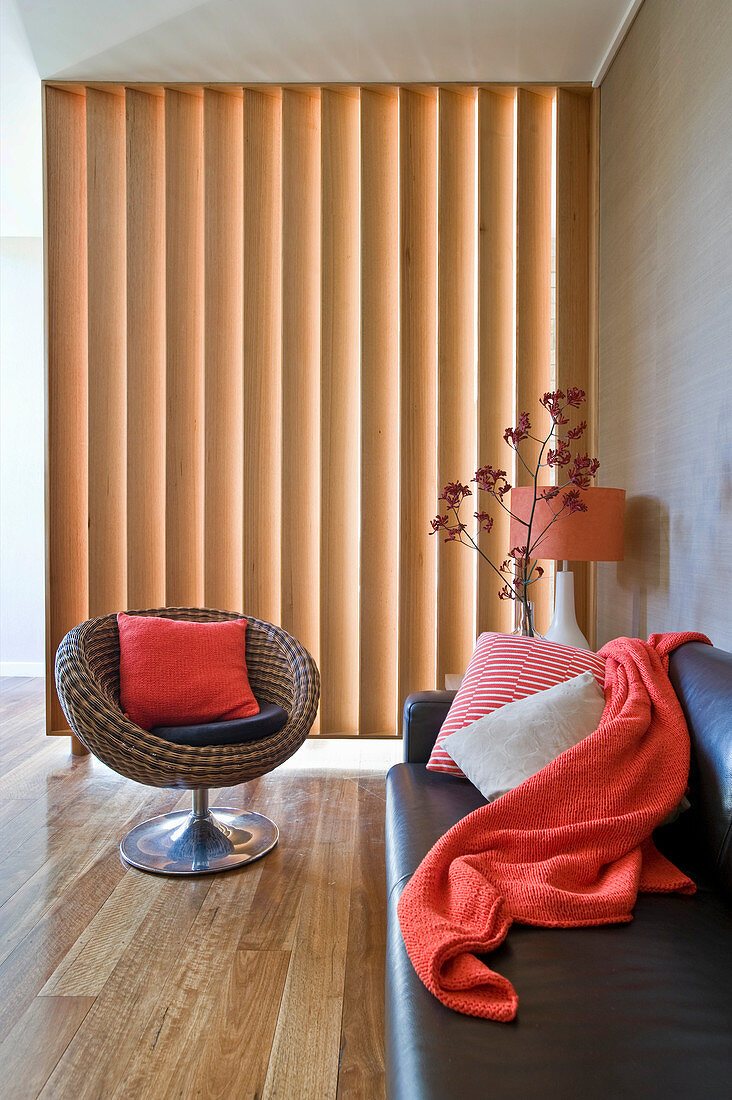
{"points": [[280, 671]]}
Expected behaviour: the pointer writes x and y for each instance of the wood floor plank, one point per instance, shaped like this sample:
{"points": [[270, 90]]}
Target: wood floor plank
{"points": [[361, 1070], [46, 1028], [183, 1005], [93, 1064], [12, 810], [85, 969], [51, 769], [22, 717], [242, 1026], [50, 815], [44, 836], [23, 721], [29, 966], [305, 1051], [48, 764], [44, 944], [236, 1011], [14, 687], [190, 999], [70, 860], [8, 684], [32, 777], [27, 749], [276, 904]]}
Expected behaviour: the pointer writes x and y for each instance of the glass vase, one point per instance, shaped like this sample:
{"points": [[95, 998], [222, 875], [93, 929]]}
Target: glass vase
{"points": [[525, 613]]}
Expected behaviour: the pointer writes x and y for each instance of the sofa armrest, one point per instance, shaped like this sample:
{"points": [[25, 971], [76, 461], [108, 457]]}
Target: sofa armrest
{"points": [[424, 713]]}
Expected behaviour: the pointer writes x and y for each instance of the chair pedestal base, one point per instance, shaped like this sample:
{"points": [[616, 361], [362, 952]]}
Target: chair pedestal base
{"points": [[199, 842]]}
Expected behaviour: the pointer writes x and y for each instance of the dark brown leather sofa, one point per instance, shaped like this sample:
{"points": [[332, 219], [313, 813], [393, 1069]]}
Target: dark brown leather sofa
{"points": [[608, 1013]]}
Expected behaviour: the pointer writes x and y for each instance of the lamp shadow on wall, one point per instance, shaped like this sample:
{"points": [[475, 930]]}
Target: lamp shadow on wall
{"points": [[645, 566]]}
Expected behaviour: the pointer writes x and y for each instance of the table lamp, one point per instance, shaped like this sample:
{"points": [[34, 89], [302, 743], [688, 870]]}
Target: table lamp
{"points": [[594, 535]]}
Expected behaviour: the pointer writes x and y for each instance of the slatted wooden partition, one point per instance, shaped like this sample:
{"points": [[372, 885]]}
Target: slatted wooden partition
{"points": [[456, 417], [576, 184], [496, 323], [533, 280], [300, 473], [278, 321], [67, 486], [416, 501], [379, 526], [146, 344], [339, 410], [262, 354], [106, 349], [223, 518]]}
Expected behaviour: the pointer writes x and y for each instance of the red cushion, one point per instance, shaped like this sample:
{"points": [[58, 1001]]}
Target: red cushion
{"points": [[178, 673], [503, 668]]}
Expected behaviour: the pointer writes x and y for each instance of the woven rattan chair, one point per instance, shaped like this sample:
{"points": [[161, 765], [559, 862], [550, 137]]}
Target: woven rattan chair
{"points": [[280, 671]]}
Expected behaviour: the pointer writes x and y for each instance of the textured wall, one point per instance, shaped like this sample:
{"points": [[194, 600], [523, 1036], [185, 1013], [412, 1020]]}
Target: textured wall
{"points": [[22, 597], [666, 320], [22, 594]]}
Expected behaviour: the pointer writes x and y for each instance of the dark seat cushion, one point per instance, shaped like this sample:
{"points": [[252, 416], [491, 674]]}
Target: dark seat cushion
{"points": [[420, 807], [635, 1010], [270, 719]]}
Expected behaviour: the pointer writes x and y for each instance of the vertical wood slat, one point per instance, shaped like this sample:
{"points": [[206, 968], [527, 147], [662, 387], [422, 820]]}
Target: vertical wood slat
{"points": [[301, 366], [184, 247], [379, 600], [533, 285], [594, 335], [456, 446], [593, 249], [573, 276], [145, 349], [496, 333], [418, 340], [107, 353], [262, 344], [66, 384], [339, 417], [223, 214]]}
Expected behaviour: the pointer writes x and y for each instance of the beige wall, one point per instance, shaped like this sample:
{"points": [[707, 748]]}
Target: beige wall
{"points": [[666, 320]]}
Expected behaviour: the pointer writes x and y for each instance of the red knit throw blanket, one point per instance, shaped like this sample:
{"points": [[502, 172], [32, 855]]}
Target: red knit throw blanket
{"points": [[571, 846]]}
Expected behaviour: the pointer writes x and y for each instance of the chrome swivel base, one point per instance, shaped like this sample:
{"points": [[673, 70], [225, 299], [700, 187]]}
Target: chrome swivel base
{"points": [[200, 841]]}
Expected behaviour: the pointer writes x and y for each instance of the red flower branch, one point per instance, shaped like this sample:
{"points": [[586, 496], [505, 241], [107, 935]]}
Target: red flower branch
{"points": [[518, 571]]}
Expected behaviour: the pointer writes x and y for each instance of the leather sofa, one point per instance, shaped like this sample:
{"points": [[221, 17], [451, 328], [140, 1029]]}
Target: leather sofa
{"points": [[634, 1010]]}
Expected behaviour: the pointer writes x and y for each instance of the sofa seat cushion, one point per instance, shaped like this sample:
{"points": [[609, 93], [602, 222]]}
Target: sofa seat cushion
{"points": [[421, 806], [633, 1010], [269, 720]]}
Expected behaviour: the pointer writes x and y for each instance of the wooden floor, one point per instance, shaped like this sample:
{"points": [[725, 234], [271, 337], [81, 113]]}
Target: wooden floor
{"points": [[265, 982]]}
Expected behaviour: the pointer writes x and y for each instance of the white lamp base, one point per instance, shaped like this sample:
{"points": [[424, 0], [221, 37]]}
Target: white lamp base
{"points": [[564, 627]]}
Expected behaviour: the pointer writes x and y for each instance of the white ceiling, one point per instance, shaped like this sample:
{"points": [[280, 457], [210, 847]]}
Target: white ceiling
{"points": [[322, 40]]}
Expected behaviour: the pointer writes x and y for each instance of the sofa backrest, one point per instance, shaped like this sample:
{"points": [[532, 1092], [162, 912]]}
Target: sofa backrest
{"points": [[702, 679]]}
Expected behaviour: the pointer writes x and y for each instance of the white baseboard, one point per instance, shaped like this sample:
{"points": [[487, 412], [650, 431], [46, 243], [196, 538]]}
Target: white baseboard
{"points": [[22, 668]]}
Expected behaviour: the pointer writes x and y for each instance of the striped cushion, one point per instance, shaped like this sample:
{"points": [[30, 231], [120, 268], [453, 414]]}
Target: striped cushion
{"points": [[503, 668]]}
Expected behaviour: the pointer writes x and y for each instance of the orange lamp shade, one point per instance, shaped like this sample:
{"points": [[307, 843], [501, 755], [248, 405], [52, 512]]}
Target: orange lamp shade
{"points": [[594, 535]]}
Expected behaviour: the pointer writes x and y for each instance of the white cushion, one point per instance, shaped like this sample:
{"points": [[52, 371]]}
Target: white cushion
{"points": [[503, 669], [504, 748]]}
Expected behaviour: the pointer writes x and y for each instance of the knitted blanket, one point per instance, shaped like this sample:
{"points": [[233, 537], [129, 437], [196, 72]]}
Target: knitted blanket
{"points": [[571, 846]]}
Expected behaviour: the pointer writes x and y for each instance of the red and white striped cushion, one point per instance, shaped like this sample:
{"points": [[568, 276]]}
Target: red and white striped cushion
{"points": [[503, 668]]}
